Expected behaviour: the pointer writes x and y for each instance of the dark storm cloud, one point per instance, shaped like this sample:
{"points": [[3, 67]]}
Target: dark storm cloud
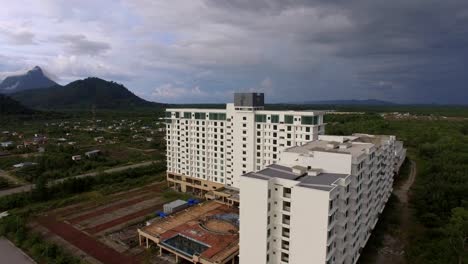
{"points": [[420, 45], [80, 44]]}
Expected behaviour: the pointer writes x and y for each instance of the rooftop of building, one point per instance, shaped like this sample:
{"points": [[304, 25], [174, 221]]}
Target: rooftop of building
{"points": [[310, 178], [351, 147], [261, 111], [209, 230]]}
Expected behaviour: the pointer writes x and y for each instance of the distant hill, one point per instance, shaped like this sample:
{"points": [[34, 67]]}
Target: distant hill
{"points": [[371, 102], [9, 106], [33, 79], [83, 94]]}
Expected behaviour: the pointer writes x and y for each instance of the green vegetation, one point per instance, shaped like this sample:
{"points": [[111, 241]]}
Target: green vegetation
{"points": [[16, 230], [26, 205], [4, 184], [57, 163], [438, 198], [83, 94], [105, 183], [9, 106]]}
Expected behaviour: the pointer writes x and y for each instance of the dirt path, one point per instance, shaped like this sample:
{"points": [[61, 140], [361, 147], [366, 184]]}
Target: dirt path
{"points": [[403, 191], [6, 175], [392, 251], [84, 242]]}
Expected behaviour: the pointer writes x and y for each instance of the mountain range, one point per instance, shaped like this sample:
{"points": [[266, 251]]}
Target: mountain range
{"points": [[35, 90], [83, 94], [33, 79]]}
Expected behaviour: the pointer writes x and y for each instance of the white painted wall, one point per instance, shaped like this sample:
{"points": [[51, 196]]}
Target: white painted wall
{"points": [[309, 221], [253, 215]]}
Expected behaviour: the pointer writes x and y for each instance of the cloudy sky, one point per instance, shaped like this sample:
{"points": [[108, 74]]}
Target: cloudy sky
{"points": [[203, 50]]}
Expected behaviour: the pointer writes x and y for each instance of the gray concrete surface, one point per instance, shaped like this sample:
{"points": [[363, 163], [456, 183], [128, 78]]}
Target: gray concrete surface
{"points": [[9, 253]]}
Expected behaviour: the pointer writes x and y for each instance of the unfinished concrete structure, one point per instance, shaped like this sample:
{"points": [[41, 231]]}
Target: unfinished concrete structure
{"points": [[207, 233]]}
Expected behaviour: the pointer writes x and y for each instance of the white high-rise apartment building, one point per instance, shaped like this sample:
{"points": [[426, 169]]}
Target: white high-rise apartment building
{"points": [[211, 148], [319, 203]]}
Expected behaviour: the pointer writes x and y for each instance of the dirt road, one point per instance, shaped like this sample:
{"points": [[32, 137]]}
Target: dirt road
{"points": [[392, 251], [29, 187], [10, 178]]}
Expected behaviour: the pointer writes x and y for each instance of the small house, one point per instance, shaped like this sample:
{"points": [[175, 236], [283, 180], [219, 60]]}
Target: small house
{"points": [[93, 153], [6, 144], [76, 157], [24, 164]]}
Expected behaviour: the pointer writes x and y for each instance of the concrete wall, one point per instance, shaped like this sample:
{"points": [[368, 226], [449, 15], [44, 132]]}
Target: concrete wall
{"points": [[309, 222], [253, 223]]}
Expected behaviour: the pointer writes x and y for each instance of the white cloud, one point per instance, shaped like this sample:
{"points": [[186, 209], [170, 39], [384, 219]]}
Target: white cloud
{"points": [[170, 91]]}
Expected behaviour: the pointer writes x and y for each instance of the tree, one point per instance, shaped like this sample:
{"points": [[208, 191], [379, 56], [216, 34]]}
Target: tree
{"points": [[457, 232]]}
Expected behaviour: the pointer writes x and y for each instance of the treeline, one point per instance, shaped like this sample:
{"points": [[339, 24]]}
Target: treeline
{"points": [[17, 231], [439, 195], [104, 182]]}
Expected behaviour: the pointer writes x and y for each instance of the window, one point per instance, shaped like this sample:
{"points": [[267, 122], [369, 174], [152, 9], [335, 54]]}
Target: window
{"points": [[288, 119], [200, 115], [217, 116], [260, 118], [274, 119], [244, 118], [307, 120], [286, 219], [285, 244], [187, 115], [287, 192]]}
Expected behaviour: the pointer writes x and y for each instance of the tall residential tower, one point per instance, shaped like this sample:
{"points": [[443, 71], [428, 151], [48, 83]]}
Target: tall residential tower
{"points": [[319, 203], [211, 148]]}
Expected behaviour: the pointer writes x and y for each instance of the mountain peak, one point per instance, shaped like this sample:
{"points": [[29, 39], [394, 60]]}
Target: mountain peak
{"points": [[32, 79], [36, 68]]}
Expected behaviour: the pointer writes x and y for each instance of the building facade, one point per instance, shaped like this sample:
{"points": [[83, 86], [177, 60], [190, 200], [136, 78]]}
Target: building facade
{"points": [[319, 203], [210, 148]]}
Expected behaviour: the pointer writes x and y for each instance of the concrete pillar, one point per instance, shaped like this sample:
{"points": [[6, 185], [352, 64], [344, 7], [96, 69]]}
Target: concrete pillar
{"points": [[176, 259], [139, 239], [160, 251], [147, 243]]}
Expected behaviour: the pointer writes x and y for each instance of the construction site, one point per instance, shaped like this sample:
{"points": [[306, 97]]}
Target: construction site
{"points": [[105, 232], [141, 226], [206, 233]]}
